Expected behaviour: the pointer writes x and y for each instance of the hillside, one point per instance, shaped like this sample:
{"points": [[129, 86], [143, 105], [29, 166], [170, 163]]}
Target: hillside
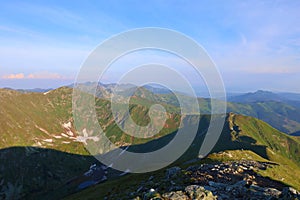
{"points": [[282, 116], [45, 119], [38, 119], [41, 150], [280, 112], [247, 148]]}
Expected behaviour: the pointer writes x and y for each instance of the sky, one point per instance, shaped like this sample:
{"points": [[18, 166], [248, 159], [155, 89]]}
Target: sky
{"points": [[254, 44]]}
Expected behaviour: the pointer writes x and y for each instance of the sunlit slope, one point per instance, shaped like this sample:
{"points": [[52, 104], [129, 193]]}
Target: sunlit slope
{"points": [[45, 119], [38, 119], [242, 138]]}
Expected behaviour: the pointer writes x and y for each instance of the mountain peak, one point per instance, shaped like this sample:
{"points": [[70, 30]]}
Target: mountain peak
{"points": [[263, 92], [258, 96]]}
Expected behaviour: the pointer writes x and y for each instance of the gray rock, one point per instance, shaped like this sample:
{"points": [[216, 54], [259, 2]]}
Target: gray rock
{"points": [[217, 185], [293, 191], [256, 188], [191, 190], [175, 188], [198, 192], [223, 197], [171, 172], [209, 188], [149, 194], [237, 186], [139, 189], [290, 193], [178, 195], [237, 189], [241, 183], [272, 192], [151, 178]]}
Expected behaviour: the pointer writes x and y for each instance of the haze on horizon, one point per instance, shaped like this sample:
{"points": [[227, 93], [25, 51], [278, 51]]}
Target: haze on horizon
{"points": [[255, 44]]}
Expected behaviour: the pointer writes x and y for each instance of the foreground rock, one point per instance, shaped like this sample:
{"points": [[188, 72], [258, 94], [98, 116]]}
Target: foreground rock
{"points": [[228, 180]]}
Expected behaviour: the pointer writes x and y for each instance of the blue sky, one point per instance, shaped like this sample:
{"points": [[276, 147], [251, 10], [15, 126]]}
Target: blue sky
{"points": [[255, 44]]}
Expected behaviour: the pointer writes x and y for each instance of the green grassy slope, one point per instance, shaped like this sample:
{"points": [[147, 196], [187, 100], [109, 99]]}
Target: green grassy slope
{"points": [[254, 135], [38, 147], [37, 119], [265, 135], [242, 138], [45, 121], [282, 116]]}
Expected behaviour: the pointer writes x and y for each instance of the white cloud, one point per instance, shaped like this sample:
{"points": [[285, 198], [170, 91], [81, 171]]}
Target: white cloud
{"points": [[37, 75], [45, 75], [14, 76]]}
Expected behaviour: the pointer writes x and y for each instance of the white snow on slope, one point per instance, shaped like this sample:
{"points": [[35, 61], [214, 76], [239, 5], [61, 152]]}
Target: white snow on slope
{"points": [[47, 92], [67, 125], [83, 138]]}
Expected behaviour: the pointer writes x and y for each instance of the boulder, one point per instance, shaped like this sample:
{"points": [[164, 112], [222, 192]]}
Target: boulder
{"points": [[171, 172], [290, 193], [198, 192], [178, 195]]}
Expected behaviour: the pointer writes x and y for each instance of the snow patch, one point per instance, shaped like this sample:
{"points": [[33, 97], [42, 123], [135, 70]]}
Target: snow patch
{"points": [[43, 130], [47, 92], [83, 138], [48, 140], [70, 133], [64, 135], [67, 125]]}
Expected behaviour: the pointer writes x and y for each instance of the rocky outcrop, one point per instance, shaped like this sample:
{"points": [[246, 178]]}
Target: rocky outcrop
{"points": [[228, 180]]}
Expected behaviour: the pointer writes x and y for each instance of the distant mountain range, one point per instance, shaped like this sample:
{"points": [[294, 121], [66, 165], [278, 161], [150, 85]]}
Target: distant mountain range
{"points": [[39, 90], [263, 96], [240, 97], [281, 110]]}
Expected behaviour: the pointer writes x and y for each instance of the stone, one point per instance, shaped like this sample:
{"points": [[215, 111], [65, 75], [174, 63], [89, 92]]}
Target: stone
{"points": [[221, 184], [237, 189], [223, 196], [178, 195], [241, 183], [272, 192], [151, 178], [171, 172], [209, 176], [175, 188], [290, 193], [240, 170], [256, 188], [293, 191], [151, 190], [198, 192], [209, 188], [216, 185], [139, 189], [149, 194]]}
